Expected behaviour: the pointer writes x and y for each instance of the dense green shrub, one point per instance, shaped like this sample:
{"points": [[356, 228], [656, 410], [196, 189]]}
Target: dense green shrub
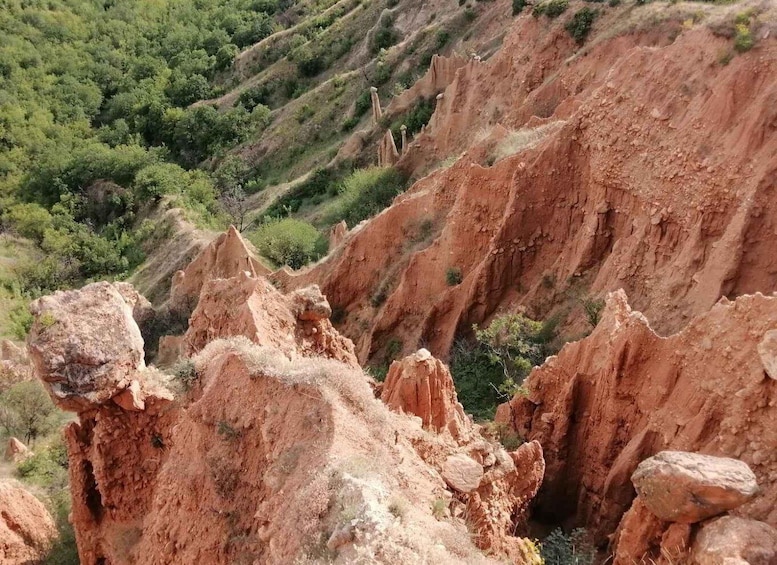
{"points": [[385, 36], [287, 241], [551, 8], [365, 193], [743, 40], [453, 276], [442, 38], [518, 6], [593, 310], [415, 119], [580, 25], [574, 548], [28, 220], [319, 182], [492, 369], [476, 378]]}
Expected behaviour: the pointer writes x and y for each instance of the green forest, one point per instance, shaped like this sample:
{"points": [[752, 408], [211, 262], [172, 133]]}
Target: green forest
{"points": [[96, 122]]}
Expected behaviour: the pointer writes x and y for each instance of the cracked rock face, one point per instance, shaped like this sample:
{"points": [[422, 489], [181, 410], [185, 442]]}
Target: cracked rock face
{"points": [[85, 345]]}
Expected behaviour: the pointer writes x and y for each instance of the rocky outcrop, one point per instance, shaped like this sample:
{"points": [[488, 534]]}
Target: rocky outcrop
{"points": [[274, 420], [625, 191], [250, 306], [462, 473], [689, 487], [85, 345], [623, 394], [422, 385], [492, 487], [26, 527], [227, 256], [337, 234], [387, 150], [16, 451], [730, 540]]}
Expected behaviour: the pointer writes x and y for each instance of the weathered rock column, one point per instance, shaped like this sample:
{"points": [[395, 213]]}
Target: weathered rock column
{"points": [[403, 129], [377, 113]]}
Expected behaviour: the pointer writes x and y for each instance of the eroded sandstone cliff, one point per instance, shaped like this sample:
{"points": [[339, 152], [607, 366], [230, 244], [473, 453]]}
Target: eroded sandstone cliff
{"points": [[270, 447], [640, 162], [623, 394]]}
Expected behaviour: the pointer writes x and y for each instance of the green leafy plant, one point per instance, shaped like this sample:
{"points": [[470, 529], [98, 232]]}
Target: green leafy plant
{"points": [[550, 8], [363, 194], [593, 310], [439, 508], [26, 411], [580, 25], [743, 40], [287, 241], [518, 6], [453, 276], [226, 431], [492, 369], [574, 548]]}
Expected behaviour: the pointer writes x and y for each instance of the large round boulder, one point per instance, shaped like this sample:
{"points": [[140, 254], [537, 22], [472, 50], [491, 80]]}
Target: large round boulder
{"points": [[85, 345], [689, 487]]}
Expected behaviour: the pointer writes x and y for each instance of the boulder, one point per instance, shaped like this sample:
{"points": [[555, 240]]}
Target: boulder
{"points": [[26, 527], [85, 345], [421, 385], [462, 473], [16, 451], [689, 487], [309, 305], [730, 540]]}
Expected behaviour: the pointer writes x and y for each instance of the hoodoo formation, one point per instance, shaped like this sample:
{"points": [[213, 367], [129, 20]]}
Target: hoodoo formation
{"points": [[388, 281]]}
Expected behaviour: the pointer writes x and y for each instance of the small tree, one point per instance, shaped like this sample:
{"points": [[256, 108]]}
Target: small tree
{"points": [[235, 204], [26, 410], [512, 342]]}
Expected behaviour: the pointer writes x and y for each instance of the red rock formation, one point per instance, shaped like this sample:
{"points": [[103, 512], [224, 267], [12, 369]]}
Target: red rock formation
{"points": [[26, 527], [627, 190], [274, 451], [261, 444], [689, 487], [494, 488], [227, 256], [251, 307], [16, 451], [387, 150], [337, 234], [441, 73], [421, 385], [622, 394]]}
